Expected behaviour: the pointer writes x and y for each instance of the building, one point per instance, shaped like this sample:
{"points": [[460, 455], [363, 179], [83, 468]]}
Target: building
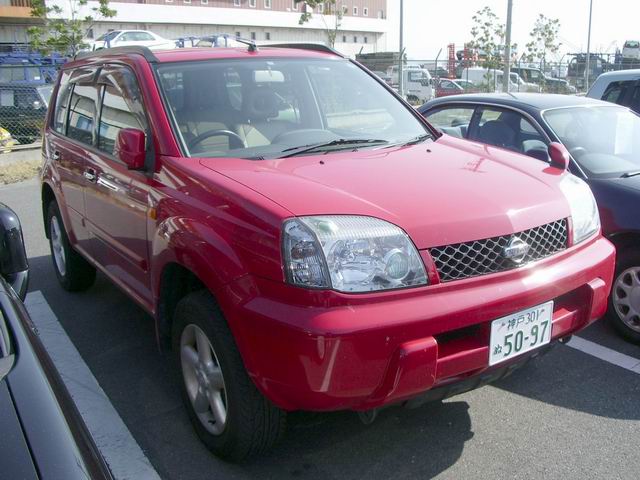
{"points": [[15, 18], [364, 25]]}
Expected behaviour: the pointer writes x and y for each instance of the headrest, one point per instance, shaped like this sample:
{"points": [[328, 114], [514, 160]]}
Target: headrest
{"points": [[261, 103]]}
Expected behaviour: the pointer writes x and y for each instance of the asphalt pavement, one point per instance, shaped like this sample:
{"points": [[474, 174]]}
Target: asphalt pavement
{"points": [[567, 415]]}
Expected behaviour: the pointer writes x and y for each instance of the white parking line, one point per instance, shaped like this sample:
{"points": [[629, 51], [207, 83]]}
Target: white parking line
{"points": [[608, 355], [118, 447]]}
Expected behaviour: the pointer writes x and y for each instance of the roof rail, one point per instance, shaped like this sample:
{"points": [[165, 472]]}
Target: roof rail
{"points": [[252, 45], [144, 51], [317, 47]]}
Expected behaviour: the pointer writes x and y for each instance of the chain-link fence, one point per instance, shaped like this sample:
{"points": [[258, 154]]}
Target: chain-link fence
{"points": [[424, 79], [25, 90]]}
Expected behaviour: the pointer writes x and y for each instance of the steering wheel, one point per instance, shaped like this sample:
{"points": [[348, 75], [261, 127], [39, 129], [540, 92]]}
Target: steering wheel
{"points": [[235, 140]]}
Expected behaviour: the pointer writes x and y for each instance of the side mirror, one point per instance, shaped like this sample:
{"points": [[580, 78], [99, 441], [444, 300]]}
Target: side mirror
{"points": [[559, 156], [130, 148], [13, 257]]}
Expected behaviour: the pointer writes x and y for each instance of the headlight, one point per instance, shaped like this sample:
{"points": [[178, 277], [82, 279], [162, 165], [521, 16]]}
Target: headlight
{"points": [[350, 254], [584, 210]]}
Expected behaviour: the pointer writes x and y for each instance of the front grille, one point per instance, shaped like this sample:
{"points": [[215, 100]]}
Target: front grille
{"points": [[481, 257]]}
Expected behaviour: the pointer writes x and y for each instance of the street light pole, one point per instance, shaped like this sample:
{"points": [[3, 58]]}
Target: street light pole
{"points": [[400, 61], [588, 65], [507, 49]]}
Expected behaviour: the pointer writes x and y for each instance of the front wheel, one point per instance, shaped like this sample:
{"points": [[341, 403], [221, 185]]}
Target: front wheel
{"points": [[231, 417], [624, 303]]}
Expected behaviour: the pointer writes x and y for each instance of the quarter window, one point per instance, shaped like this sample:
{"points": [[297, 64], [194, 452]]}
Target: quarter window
{"points": [[82, 111]]}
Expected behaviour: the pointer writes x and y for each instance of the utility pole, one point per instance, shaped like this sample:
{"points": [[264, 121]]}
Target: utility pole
{"points": [[507, 49], [588, 65], [400, 62]]}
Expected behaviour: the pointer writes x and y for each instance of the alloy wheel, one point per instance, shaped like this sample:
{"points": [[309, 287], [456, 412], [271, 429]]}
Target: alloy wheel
{"points": [[203, 379], [57, 246], [626, 298]]}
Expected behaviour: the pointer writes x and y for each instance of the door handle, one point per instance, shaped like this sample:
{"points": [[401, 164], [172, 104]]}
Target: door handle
{"points": [[56, 155], [107, 184], [90, 174]]}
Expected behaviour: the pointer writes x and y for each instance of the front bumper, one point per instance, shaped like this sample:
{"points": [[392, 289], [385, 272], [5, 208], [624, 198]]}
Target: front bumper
{"points": [[322, 350]]}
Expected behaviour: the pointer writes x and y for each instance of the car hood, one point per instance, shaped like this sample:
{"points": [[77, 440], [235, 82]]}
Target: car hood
{"points": [[617, 199], [441, 192]]}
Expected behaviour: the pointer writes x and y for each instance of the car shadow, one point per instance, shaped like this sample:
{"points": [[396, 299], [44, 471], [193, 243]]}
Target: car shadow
{"points": [[400, 443], [571, 379], [116, 339]]}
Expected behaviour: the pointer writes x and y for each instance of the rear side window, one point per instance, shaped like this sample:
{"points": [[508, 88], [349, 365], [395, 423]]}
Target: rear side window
{"points": [[82, 112], [121, 106], [62, 102]]}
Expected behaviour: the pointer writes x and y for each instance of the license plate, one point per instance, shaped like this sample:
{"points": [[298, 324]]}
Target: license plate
{"points": [[520, 333]]}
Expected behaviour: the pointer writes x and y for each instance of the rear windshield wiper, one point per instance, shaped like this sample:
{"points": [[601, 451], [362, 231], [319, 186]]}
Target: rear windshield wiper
{"points": [[630, 174], [342, 142]]}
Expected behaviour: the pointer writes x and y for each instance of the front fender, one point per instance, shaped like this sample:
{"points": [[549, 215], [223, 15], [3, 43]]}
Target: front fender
{"points": [[198, 248]]}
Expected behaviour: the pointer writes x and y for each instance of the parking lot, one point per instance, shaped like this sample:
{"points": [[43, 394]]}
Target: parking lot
{"points": [[567, 415]]}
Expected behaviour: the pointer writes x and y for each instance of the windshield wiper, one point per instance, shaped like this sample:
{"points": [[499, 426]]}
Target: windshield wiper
{"points": [[342, 142], [630, 174], [413, 141], [417, 140]]}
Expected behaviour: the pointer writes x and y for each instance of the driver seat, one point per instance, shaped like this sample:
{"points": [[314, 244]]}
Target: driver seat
{"points": [[260, 107], [204, 110]]}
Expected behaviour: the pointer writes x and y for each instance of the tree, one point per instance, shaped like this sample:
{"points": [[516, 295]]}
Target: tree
{"points": [[487, 37], [544, 39], [63, 31], [331, 13]]}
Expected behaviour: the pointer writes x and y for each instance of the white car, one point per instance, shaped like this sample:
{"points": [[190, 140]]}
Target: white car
{"points": [[122, 38]]}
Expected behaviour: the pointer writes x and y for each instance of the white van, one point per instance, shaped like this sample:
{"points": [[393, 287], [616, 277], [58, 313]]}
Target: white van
{"points": [[417, 83], [487, 80]]}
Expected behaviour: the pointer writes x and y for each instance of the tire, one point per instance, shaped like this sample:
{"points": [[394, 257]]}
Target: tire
{"points": [[251, 423], [624, 302], [74, 273]]}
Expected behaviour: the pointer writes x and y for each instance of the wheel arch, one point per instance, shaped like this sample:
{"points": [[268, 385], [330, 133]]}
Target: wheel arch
{"points": [[186, 256], [626, 240]]}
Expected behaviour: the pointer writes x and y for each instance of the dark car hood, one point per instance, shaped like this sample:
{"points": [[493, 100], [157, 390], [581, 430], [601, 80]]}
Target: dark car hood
{"points": [[618, 200], [440, 192]]}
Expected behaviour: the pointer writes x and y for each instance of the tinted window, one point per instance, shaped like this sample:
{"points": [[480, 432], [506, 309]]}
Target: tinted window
{"points": [[62, 100], [508, 129], [616, 92], [82, 111], [121, 106], [635, 100]]}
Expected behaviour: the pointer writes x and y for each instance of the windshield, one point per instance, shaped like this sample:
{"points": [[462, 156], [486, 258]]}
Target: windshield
{"points": [[264, 108], [108, 36], [605, 140], [19, 73]]}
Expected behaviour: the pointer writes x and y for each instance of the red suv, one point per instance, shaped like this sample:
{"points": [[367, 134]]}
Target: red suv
{"points": [[306, 239]]}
